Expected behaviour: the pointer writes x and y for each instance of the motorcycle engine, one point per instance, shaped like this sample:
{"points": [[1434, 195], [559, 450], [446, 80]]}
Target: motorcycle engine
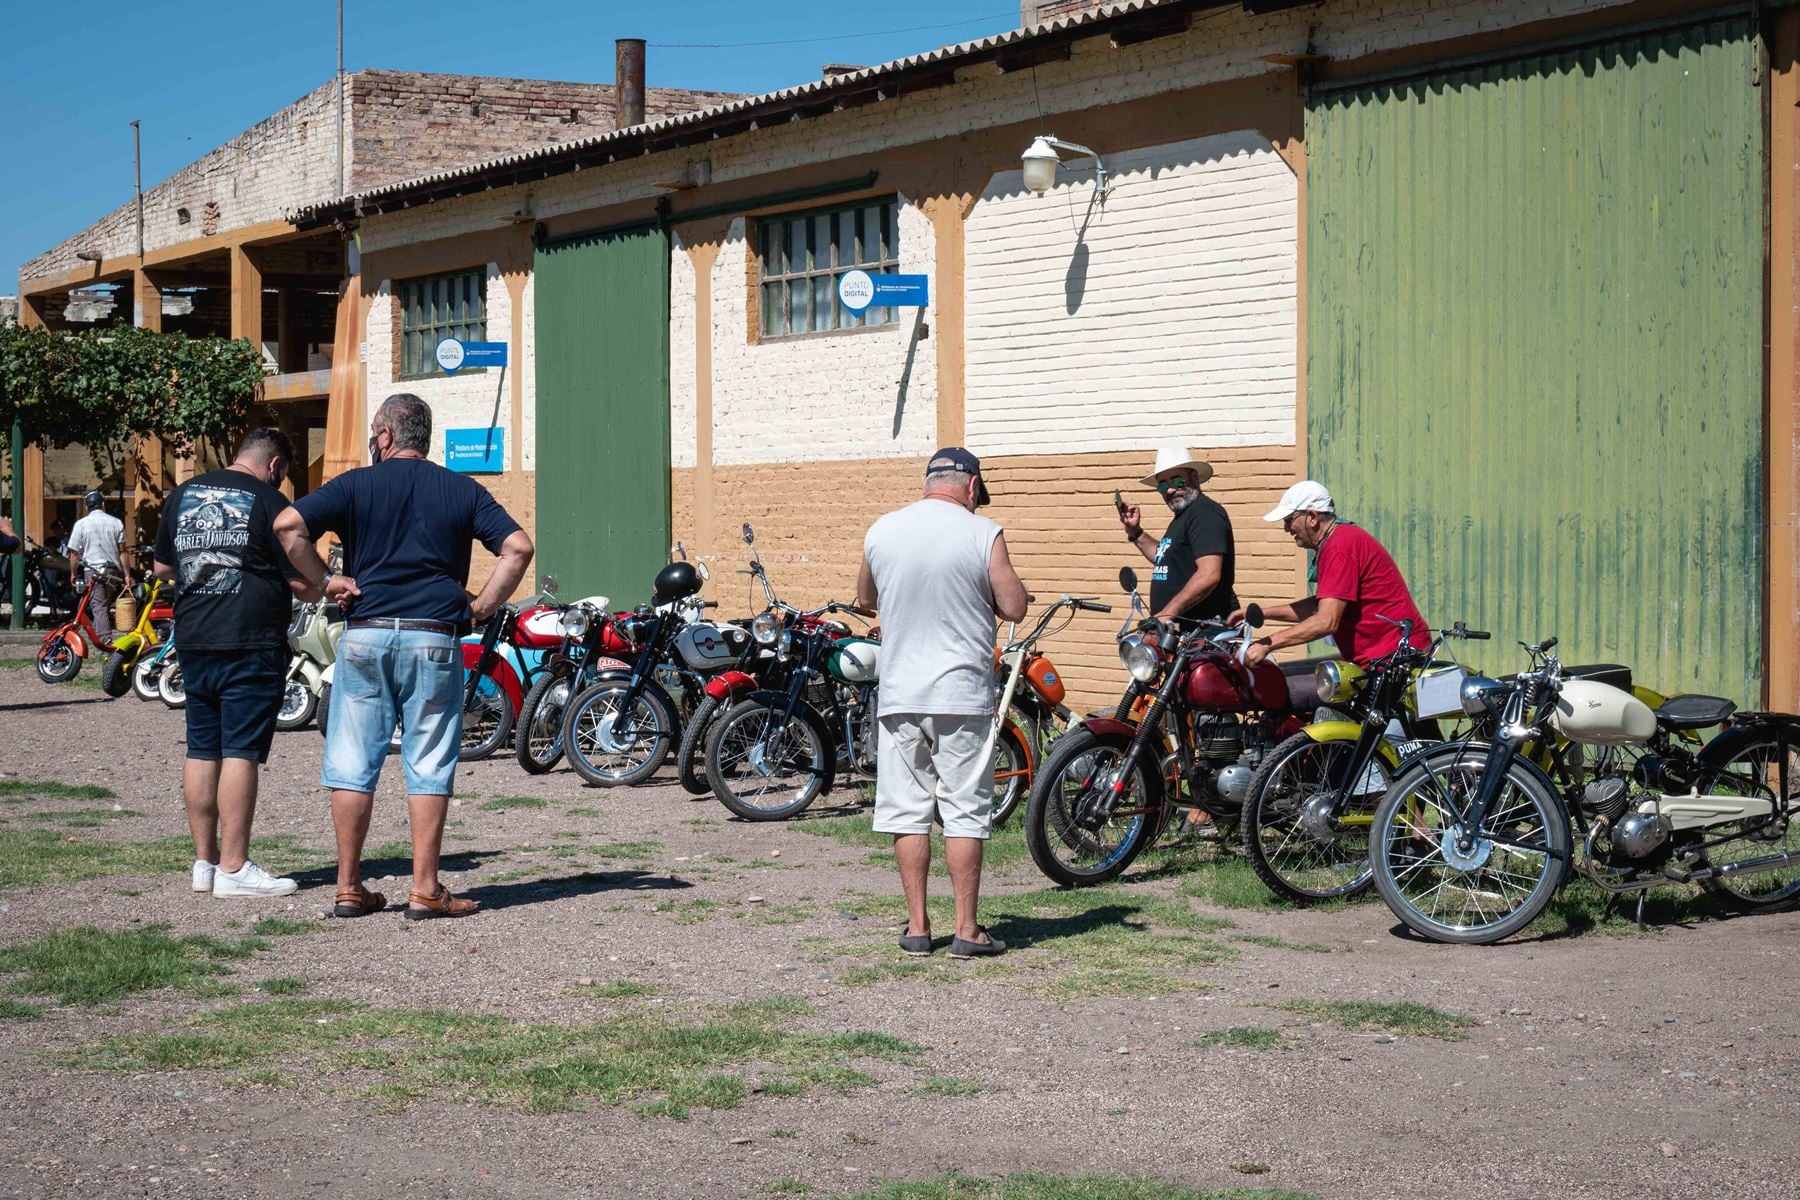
{"points": [[1217, 739], [1606, 798], [1219, 760]]}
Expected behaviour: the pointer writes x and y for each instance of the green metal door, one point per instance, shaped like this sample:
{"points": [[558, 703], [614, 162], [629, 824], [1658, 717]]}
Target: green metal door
{"points": [[602, 350], [1534, 345]]}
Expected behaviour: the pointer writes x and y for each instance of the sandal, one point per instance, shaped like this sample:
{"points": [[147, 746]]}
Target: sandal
{"points": [[358, 901], [441, 905]]}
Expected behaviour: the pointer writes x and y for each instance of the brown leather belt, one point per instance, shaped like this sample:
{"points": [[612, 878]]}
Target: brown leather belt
{"points": [[399, 623]]}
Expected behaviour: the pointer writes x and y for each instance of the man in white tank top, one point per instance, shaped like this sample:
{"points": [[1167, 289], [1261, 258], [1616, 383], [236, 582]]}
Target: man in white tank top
{"points": [[939, 574]]}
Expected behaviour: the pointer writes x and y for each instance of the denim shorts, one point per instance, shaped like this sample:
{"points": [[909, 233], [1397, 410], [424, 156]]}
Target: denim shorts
{"points": [[388, 675], [232, 699]]}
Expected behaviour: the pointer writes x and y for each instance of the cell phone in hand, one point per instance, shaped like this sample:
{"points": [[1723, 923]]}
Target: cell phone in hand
{"points": [[1119, 503]]}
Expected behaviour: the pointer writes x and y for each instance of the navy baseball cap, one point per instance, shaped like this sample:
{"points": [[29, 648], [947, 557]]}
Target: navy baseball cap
{"points": [[955, 458]]}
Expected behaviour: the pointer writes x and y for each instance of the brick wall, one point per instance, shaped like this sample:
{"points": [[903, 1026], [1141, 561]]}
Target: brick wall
{"points": [[1038, 12]]}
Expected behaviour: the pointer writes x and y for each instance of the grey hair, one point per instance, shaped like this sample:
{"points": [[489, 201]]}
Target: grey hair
{"points": [[408, 418], [947, 479]]}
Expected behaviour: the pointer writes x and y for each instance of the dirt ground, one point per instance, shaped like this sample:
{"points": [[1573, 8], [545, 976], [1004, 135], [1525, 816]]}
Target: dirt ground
{"points": [[1598, 1064]]}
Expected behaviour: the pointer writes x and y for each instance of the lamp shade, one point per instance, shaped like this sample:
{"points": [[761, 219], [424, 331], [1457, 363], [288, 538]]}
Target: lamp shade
{"points": [[1040, 162]]}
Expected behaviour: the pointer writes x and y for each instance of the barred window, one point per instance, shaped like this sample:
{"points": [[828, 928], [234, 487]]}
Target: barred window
{"points": [[438, 307], [803, 255]]}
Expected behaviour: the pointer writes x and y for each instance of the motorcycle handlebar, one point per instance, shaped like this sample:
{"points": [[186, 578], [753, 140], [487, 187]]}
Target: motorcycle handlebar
{"points": [[1091, 606]]}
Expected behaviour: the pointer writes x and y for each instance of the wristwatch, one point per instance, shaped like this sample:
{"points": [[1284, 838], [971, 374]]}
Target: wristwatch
{"points": [[1133, 537]]}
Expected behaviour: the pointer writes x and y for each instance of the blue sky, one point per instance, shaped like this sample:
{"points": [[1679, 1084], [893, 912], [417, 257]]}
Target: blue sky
{"points": [[71, 79]]}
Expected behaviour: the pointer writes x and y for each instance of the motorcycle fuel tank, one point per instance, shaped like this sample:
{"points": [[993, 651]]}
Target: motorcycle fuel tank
{"points": [[706, 645], [1601, 715], [1212, 684]]}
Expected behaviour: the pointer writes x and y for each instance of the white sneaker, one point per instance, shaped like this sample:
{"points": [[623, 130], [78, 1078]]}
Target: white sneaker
{"points": [[203, 874], [251, 880]]}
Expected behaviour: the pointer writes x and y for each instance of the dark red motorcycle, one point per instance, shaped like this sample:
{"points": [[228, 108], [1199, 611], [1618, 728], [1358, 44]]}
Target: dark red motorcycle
{"points": [[1194, 724]]}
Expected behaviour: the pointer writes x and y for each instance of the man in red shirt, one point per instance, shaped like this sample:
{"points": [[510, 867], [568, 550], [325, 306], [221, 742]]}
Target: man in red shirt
{"points": [[1358, 584]]}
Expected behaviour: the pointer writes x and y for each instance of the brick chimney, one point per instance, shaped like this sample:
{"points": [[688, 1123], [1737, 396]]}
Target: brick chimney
{"points": [[628, 82]]}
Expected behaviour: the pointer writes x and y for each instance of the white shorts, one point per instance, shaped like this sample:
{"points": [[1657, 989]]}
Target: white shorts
{"points": [[924, 763]]}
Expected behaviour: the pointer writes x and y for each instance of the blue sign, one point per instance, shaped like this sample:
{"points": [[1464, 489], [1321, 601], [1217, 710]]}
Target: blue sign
{"points": [[859, 290], [453, 355], [475, 451]]}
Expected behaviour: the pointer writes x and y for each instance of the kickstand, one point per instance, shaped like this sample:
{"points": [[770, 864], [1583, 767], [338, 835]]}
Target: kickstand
{"points": [[1640, 909]]}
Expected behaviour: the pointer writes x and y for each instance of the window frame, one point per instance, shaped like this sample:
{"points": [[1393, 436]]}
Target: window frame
{"points": [[886, 260], [474, 330]]}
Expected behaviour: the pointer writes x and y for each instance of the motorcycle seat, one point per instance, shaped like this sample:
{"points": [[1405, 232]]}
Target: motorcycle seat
{"points": [[1693, 712]]}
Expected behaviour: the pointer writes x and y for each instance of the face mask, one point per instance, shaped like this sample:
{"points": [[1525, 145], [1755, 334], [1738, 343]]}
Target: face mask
{"points": [[374, 449]]}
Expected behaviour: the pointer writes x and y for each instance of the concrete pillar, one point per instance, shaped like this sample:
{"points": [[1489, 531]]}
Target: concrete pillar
{"points": [[246, 296], [146, 301], [32, 310]]}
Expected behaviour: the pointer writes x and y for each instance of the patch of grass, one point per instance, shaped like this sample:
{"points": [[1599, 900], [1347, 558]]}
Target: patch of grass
{"points": [[501, 803], [783, 1133], [621, 850], [284, 927], [37, 857], [789, 1186], [618, 989], [90, 966], [1250, 1168], [1244, 1037], [947, 1085], [1276, 943], [18, 1010], [1397, 1017], [900, 968], [1035, 1186], [84, 818], [1214, 874], [1583, 907], [663, 1066], [584, 812], [1005, 848], [50, 789], [261, 1077], [283, 985]]}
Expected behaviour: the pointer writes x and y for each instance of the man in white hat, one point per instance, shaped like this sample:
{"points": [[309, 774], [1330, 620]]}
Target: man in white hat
{"points": [[1357, 585], [1195, 561]]}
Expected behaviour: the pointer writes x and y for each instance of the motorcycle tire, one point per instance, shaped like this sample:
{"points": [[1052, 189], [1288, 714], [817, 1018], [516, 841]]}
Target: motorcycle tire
{"points": [[57, 663], [1291, 859], [1012, 774], [115, 674], [298, 704], [1050, 824], [170, 688], [538, 737], [690, 759], [324, 715], [144, 676], [488, 719], [1747, 766], [1408, 840], [588, 740], [737, 747]]}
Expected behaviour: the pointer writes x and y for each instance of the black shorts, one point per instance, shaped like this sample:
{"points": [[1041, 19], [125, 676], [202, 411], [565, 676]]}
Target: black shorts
{"points": [[232, 699]]}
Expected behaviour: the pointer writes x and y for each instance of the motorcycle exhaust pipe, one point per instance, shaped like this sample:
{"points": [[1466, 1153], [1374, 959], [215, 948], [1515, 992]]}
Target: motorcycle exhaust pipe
{"points": [[1766, 863]]}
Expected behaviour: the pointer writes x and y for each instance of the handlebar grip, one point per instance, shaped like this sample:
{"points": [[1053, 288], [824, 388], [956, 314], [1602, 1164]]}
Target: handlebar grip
{"points": [[1547, 645], [1477, 635], [709, 604], [1093, 606]]}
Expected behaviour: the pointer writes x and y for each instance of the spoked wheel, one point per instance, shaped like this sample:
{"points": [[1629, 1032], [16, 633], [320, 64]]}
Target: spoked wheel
{"points": [[57, 663], [1012, 774], [1765, 765], [538, 742], [690, 759], [487, 719], [1078, 830], [170, 688], [764, 768], [1487, 889], [609, 746], [143, 676], [297, 705], [1306, 840]]}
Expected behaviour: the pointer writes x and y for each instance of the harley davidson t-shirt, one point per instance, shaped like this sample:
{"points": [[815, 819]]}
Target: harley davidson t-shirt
{"points": [[218, 532], [1355, 568]]}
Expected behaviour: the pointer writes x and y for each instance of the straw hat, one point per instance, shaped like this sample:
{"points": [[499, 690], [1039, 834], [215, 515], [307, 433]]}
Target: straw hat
{"points": [[1174, 458]]}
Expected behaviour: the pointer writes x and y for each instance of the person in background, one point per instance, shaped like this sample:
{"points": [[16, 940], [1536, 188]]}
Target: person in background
{"points": [[938, 574], [217, 541], [9, 541], [97, 546], [406, 525], [1358, 585]]}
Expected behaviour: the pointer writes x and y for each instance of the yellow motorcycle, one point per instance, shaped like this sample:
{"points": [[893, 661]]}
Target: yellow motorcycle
{"points": [[156, 617]]}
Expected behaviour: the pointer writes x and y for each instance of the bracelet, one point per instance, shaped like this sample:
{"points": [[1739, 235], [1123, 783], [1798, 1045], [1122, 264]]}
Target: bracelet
{"points": [[1133, 537]]}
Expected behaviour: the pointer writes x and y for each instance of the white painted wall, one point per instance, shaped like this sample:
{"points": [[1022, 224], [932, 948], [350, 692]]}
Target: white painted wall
{"points": [[817, 397], [682, 385], [1170, 318], [461, 401]]}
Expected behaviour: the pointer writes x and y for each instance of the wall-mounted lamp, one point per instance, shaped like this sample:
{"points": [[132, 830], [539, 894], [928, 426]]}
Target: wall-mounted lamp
{"points": [[1041, 159]]}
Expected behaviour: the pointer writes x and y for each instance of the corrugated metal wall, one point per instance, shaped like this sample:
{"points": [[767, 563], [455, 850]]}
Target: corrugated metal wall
{"points": [[602, 346], [1534, 335]]}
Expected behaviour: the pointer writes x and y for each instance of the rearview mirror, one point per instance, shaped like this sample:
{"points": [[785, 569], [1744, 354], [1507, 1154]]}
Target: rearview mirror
{"points": [[749, 535], [547, 584], [1254, 615], [1127, 579], [701, 570]]}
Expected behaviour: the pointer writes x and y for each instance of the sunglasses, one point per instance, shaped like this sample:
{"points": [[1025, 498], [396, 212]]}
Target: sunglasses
{"points": [[1170, 486]]}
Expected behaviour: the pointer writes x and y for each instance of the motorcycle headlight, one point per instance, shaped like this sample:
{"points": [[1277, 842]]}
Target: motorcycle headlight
{"points": [[1337, 681], [1479, 694], [576, 622], [1144, 661], [765, 629]]}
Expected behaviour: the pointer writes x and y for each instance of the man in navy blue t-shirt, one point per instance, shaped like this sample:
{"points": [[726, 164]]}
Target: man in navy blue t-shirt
{"points": [[407, 525]]}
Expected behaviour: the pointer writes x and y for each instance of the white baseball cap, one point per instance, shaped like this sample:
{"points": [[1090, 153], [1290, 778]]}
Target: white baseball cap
{"points": [[1305, 496]]}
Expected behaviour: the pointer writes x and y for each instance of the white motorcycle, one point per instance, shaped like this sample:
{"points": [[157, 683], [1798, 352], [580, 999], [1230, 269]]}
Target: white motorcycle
{"points": [[1473, 839]]}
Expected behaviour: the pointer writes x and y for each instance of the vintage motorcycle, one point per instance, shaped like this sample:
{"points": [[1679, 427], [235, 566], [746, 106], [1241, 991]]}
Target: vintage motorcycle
{"points": [[1473, 839], [313, 635], [1030, 715], [1207, 723], [579, 644], [155, 621]]}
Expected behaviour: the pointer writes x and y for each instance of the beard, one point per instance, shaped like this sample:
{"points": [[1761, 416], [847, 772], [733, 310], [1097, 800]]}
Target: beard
{"points": [[1180, 501]]}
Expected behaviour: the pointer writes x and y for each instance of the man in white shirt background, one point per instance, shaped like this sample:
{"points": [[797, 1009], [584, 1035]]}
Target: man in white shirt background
{"points": [[97, 544]]}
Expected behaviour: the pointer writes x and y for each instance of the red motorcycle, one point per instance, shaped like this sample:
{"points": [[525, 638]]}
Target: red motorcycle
{"points": [[1194, 724]]}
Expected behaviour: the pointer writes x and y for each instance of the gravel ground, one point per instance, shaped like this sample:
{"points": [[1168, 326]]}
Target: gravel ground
{"points": [[1602, 1066]]}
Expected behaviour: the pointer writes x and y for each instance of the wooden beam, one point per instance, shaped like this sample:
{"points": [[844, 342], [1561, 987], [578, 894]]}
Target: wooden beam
{"points": [[246, 296], [146, 301], [266, 233]]}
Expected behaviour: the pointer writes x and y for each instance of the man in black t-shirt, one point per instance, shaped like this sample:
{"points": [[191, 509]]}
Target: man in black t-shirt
{"points": [[234, 588], [1195, 562], [406, 525]]}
